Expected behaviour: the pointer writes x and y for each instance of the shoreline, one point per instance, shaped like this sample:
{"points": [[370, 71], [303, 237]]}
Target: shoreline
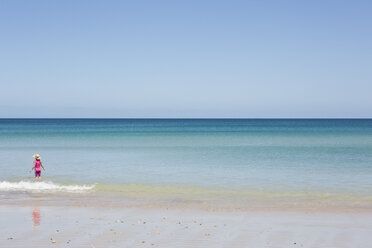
{"points": [[139, 195], [116, 201]]}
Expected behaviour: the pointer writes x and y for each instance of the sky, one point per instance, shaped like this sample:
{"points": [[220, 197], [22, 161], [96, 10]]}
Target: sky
{"points": [[185, 59]]}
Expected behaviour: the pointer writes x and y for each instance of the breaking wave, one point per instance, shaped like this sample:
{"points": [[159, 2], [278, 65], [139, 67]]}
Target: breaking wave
{"points": [[45, 187]]}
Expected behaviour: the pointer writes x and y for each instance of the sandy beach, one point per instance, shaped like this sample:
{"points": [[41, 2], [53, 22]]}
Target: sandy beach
{"points": [[72, 226]]}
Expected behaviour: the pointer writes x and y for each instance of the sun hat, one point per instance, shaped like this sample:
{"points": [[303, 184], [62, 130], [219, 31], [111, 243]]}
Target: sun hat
{"points": [[36, 156]]}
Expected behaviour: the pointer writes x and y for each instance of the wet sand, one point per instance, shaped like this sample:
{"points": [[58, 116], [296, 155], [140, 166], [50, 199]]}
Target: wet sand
{"points": [[72, 226]]}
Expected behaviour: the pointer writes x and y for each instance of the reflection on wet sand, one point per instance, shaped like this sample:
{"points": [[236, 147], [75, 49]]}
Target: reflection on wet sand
{"points": [[36, 216]]}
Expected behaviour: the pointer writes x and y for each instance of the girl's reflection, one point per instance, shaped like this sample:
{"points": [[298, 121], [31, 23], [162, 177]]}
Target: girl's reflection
{"points": [[36, 216]]}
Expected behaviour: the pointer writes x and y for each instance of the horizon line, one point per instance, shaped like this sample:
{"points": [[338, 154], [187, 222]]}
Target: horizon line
{"points": [[190, 118]]}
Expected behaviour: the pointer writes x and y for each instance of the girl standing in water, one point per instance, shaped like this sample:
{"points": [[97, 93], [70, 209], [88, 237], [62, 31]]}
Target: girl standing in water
{"points": [[37, 164]]}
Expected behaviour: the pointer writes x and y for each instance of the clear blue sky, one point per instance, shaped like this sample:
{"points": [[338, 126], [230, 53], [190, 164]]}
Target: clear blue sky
{"points": [[185, 58]]}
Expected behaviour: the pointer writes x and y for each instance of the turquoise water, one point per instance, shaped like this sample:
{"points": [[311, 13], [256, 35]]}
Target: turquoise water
{"points": [[270, 155]]}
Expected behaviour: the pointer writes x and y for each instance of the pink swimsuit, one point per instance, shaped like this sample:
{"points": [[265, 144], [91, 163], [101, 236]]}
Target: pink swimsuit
{"points": [[37, 168]]}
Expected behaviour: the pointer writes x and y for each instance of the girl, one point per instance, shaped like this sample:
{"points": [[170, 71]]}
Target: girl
{"points": [[37, 164]]}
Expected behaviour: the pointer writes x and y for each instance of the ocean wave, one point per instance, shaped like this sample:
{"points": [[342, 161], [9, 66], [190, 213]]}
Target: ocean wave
{"points": [[27, 186]]}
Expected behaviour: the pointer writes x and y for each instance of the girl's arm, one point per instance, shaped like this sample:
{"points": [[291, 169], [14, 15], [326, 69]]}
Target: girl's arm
{"points": [[42, 165], [33, 167]]}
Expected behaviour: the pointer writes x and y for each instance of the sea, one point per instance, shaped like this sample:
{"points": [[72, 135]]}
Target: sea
{"points": [[284, 162]]}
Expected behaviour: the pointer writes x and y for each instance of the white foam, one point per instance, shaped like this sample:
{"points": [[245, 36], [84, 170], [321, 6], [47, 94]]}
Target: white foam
{"points": [[42, 187]]}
